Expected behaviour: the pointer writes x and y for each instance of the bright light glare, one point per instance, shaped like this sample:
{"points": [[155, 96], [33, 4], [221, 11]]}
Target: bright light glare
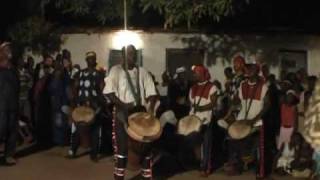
{"points": [[123, 38]]}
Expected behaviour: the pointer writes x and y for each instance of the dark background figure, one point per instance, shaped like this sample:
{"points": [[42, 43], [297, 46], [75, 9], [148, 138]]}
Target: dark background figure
{"points": [[219, 153], [178, 92], [311, 83], [29, 65], [296, 84], [163, 94], [30, 68], [39, 69], [229, 80], [271, 122], [58, 99], [9, 103], [43, 110], [26, 83]]}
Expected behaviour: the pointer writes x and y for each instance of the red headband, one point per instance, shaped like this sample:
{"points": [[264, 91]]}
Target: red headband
{"points": [[202, 72]]}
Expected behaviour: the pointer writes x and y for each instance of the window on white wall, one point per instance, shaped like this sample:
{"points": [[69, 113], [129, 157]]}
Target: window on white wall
{"points": [[183, 57], [293, 60], [115, 57]]}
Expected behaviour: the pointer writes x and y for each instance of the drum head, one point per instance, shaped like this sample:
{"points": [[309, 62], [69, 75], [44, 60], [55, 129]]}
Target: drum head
{"points": [[144, 124], [83, 115], [188, 125], [239, 130]]}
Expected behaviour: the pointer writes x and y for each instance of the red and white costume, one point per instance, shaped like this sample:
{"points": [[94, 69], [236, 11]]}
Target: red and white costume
{"points": [[201, 93], [254, 92]]}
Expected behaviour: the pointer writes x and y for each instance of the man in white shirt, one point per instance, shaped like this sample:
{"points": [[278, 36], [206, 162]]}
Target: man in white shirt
{"points": [[130, 88]]}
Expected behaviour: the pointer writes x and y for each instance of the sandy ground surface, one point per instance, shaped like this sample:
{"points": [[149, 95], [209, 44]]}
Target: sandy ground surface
{"points": [[51, 165]]}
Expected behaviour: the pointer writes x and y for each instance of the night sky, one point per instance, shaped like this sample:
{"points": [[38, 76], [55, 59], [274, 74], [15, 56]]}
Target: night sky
{"points": [[259, 15]]}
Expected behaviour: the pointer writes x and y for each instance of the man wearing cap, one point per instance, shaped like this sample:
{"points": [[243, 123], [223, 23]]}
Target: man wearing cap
{"points": [[9, 103], [202, 97], [178, 90], [130, 88], [88, 85]]}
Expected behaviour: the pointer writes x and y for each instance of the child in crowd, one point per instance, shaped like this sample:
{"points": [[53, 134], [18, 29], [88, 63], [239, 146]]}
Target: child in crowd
{"points": [[289, 115], [303, 163], [287, 154]]}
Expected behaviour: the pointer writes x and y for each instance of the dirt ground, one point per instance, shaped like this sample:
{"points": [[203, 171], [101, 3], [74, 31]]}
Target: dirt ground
{"points": [[52, 165]]}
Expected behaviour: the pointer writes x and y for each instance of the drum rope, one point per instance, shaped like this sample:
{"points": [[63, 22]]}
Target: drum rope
{"points": [[248, 106]]}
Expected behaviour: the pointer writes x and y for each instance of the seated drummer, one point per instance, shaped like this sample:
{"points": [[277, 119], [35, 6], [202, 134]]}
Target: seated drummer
{"points": [[252, 93], [202, 97], [88, 86], [124, 91]]}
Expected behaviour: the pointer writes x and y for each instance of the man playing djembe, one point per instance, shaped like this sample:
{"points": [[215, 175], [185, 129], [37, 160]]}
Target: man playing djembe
{"points": [[130, 88], [252, 93]]}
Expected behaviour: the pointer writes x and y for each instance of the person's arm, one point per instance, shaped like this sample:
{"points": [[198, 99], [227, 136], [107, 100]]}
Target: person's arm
{"points": [[75, 87], [265, 108], [118, 103], [207, 107], [152, 100]]}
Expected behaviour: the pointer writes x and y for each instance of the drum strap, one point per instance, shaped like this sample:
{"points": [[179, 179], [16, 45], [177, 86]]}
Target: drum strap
{"points": [[248, 106], [136, 94]]}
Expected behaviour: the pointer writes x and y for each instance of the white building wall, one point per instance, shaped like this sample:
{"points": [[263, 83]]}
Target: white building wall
{"points": [[155, 44]]}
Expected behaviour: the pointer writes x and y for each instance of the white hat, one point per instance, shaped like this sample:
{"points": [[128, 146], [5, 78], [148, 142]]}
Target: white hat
{"points": [[180, 69]]}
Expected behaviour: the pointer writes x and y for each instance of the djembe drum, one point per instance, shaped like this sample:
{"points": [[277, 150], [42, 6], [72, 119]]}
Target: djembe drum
{"points": [[189, 128], [142, 130], [242, 128], [83, 117]]}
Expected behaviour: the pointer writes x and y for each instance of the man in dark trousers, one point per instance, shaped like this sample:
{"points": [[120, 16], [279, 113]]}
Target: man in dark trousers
{"points": [[130, 88], [88, 85], [9, 104]]}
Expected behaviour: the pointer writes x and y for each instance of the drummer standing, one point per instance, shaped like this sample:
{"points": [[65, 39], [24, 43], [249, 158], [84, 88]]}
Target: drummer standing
{"points": [[129, 87], [88, 85], [232, 88], [254, 103], [202, 97]]}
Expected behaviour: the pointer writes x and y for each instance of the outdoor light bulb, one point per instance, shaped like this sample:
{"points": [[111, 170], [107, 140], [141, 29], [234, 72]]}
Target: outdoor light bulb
{"points": [[123, 38]]}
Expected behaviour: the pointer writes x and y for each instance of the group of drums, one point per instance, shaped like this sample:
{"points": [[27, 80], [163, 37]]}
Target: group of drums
{"points": [[143, 129]]}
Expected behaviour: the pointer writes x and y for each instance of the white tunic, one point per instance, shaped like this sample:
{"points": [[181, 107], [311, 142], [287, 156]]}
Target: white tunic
{"points": [[116, 82]]}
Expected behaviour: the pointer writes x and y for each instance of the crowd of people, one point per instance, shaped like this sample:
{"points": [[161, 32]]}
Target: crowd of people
{"points": [[36, 104]]}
